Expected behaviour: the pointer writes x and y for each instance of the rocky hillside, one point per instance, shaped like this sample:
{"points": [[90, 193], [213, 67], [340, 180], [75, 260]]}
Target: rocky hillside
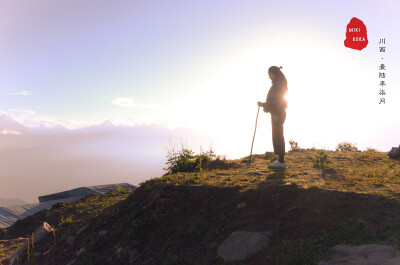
{"points": [[228, 213]]}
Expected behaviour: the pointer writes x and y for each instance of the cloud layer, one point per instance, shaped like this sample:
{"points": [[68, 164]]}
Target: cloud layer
{"points": [[130, 103], [38, 160], [23, 93]]}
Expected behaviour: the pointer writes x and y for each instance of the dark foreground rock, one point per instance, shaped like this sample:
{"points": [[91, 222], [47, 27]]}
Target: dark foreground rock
{"points": [[394, 153], [241, 245], [40, 233], [371, 254]]}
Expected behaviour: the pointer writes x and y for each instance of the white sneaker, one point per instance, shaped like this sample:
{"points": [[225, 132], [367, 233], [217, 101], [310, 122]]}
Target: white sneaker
{"points": [[277, 164]]}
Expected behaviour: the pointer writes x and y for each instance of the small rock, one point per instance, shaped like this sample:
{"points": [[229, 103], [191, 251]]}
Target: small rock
{"points": [[119, 250], [80, 230], [255, 173], [103, 233], [71, 262], [80, 251], [241, 205], [241, 245], [71, 240], [40, 233], [371, 254], [394, 152], [362, 223], [47, 252]]}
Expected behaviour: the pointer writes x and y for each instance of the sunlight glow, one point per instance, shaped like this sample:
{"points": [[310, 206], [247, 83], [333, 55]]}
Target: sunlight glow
{"points": [[227, 105]]}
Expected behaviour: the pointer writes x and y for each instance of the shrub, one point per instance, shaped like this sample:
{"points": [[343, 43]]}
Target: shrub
{"points": [[194, 179], [294, 145], [346, 146], [185, 160], [370, 149], [204, 157], [66, 220], [220, 157], [181, 161], [122, 190], [321, 159]]}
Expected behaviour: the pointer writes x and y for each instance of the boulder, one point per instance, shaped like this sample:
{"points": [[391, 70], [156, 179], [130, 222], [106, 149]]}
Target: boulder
{"points": [[394, 153], [371, 254], [40, 233], [241, 205], [72, 262], [103, 233], [81, 251], [71, 240], [241, 245], [81, 230]]}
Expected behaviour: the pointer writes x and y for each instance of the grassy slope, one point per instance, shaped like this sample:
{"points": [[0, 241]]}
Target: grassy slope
{"points": [[181, 218]]}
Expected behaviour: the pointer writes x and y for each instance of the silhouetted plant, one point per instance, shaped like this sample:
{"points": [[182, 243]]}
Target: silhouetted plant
{"points": [[321, 159], [370, 149], [204, 157], [220, 157], [294, 145], [185, 160], [346, 146]]}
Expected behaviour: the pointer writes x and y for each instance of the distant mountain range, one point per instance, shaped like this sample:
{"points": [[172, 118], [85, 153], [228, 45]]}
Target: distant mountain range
{"points": [[11, 202], [35, 161]]}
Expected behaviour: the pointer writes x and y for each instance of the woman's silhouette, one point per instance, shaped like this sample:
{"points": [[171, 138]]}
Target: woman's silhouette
{"points": [[276, 104]]}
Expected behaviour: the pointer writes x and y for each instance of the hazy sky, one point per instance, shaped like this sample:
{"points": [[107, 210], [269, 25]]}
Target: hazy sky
{"points": [[36, 161], [201, 65]]}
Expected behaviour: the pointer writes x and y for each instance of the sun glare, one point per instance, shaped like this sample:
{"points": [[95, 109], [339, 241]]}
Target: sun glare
{"points": [[227, 107]]}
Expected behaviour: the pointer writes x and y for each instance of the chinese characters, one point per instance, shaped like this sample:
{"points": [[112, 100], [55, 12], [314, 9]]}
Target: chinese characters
{"points": [[382, 73]]}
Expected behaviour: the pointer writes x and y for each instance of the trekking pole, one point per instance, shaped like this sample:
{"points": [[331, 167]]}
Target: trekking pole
{"points": [[251, 152]]}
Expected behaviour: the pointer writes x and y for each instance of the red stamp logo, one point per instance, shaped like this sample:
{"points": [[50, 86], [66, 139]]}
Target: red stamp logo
{"points": [[356, 35]]}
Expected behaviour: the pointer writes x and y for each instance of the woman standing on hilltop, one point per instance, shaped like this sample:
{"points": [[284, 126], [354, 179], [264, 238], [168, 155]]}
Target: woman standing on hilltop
{"points": [[276, 104]]}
